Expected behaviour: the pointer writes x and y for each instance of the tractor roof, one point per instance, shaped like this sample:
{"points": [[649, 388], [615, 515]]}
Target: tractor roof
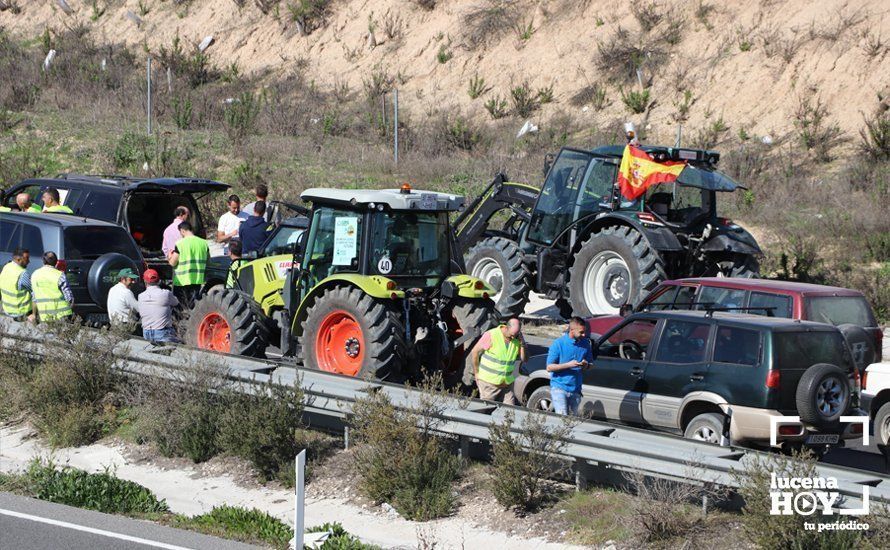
{"points": [[396, 199]]}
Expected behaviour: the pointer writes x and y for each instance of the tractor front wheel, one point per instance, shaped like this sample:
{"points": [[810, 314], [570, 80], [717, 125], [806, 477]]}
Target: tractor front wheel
{"points": [[228, 321], [348, 332], [613, 267], [474, 318], [498, 262]]}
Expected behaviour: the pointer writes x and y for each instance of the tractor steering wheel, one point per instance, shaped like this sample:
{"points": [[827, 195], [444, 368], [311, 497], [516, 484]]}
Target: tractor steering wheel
{"points": [[628, 349]]}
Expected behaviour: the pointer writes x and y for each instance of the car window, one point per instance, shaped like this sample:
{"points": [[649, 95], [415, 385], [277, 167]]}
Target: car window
{"points": [[801, 350], [738, 346], [32, 239], [88, 243], [683, 342], [781, 304], [662, 301], [838, 310], [10, 236], [631, 341], [101, 206], [685, 297], [716, 297]]}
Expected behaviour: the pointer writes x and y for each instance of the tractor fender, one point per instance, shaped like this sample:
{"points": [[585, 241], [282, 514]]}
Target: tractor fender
{"points": [[742, 243], [467, 287], [372, 285], [659, 238]]}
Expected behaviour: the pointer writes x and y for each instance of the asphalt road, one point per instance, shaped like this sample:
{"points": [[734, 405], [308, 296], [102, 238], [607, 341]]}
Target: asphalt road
{"points": [[29, 524]]}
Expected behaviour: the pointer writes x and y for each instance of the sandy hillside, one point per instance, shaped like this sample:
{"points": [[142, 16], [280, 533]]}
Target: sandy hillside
{"points": [[747, 61]]}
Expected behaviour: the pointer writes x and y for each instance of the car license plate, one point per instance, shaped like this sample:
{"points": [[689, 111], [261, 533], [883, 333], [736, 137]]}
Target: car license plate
{"points": [[823, 439]]}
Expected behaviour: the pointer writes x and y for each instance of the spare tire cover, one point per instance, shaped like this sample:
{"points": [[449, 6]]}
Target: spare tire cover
{"points": [[104, 275], [861, 343], [823, 395]]}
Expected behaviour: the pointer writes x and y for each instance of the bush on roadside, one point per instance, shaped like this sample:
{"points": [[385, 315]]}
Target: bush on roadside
{"points": [[400, 457], [103, 492], [240, 523], [262, 426], [522, 463]]}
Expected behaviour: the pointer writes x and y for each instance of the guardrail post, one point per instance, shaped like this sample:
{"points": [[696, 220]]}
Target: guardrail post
{"points": [[346, 437], [580, 477], [704, 505], [464, 447]]}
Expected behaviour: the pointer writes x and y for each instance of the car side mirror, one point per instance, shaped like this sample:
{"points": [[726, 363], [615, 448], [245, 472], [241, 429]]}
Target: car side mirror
{"points": [[625, 310]]}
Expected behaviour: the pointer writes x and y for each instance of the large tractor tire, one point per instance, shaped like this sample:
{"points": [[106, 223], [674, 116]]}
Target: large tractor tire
{"points": [[473, 317], [228, 321], [742, 266], [613, 267], [498, 262], [348, 332]]}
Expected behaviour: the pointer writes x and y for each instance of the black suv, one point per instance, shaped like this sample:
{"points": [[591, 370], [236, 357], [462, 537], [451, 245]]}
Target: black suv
{"points": [[142, 206], [91, 253], [717, 377]]}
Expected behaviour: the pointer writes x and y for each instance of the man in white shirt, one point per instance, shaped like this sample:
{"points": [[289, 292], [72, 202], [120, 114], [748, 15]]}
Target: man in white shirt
{"points": [[227, 230], [122, 305]]}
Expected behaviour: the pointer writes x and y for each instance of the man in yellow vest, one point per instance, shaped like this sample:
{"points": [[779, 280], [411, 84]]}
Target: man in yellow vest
{"points": [[494, 361], [189, 261], [15, 287], [51, 202], [5, 209], [52, 294], [23, 200]]}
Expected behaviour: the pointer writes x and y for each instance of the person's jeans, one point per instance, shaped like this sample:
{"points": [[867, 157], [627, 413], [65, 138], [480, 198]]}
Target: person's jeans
{"points": [[564, 402], [161, 335]]}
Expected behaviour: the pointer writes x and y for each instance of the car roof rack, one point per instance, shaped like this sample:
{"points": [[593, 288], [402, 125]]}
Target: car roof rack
{"points": [[709, 311]]}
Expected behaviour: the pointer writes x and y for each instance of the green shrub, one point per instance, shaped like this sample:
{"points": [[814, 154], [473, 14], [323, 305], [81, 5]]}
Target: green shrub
{"points": [[521, 463], [340, 539], [545, 95], [27, 158], [876, 137], [182, 112], [525, 102], [401, 459], [309, 15], [593, 95], [240, 116], [817, 133], [242, 524], [103, 492], [477, 87], [193, 65], [496, 107], [261, 427], [444, 55], [131, 151], [636, 101]]}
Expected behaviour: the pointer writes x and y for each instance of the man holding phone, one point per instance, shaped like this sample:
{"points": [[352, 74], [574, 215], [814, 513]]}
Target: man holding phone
{"points": [[568, 355]]}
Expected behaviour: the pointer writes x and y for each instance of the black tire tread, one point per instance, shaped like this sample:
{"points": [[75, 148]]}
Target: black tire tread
{"points": [[249, 326], [517, 277], [385, 347]]}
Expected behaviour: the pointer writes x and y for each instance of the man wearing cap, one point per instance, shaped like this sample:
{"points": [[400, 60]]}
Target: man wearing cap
{"points": [[156, 310], [123, 310]]}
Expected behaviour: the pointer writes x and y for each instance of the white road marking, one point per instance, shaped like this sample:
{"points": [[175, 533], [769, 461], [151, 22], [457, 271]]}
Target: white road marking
{"points": [[76, 527]]}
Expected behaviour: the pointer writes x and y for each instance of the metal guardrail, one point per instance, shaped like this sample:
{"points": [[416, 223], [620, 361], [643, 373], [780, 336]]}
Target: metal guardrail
{"points": [[600, 451]]}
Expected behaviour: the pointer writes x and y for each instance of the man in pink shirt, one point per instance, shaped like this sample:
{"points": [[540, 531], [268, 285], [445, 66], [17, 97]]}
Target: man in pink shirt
{"points": [[172, 234]]}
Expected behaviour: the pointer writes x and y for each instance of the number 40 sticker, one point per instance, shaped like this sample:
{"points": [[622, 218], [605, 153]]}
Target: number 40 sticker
{"points": [[384, 266]]}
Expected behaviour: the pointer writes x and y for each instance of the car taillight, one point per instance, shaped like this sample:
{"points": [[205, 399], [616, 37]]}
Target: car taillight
{"points": [[61, 265], [772, 379], [791, 429], [857, 380], [864, 379], [856, 428]]}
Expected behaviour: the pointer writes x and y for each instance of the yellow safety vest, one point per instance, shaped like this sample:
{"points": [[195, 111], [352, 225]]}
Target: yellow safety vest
{"points": [[232, 275], [5, 209], [34, 208], [498, 363], [16, 302], [51, 303], [193, 254], [59, 208]]}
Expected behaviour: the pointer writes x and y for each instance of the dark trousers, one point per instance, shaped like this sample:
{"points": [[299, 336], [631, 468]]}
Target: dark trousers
{"points": [[187, 295]]}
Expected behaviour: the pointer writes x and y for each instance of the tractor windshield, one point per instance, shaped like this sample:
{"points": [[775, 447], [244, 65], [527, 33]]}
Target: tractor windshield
{"points": [[410, 245]]}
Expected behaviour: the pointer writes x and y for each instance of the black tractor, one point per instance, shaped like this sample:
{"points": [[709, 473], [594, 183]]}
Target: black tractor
{"points": [[580, 242]]}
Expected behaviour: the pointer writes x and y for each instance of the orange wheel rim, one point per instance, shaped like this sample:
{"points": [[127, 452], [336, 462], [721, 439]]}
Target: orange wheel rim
{"points": [[340, 344], [214, 333]]}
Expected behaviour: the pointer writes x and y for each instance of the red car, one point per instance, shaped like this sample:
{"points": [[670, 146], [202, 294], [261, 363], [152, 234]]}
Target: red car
{"points": [[844, 308]]}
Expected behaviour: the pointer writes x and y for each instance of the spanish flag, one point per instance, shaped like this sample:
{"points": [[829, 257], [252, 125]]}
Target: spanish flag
{"points": [[639, 172]]}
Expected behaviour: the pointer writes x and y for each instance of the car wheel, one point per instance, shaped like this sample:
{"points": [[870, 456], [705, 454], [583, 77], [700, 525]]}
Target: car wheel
{"points": [[823, 395], [540, 400], [707, 427], [882, 424]]}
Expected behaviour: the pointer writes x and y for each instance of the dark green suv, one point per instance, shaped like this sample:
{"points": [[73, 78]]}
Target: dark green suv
{"points": [[717, 377]]}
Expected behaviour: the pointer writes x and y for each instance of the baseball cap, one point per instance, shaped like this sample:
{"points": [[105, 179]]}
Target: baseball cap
{"points": [[128, 273], [150, 276]]}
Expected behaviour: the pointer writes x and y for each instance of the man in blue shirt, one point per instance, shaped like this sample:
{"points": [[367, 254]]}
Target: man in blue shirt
{"points": [[568, 354], [253, 231]]}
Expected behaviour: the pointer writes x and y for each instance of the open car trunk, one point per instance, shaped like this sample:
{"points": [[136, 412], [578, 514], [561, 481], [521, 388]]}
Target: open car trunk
{"points": [[148, 214]]}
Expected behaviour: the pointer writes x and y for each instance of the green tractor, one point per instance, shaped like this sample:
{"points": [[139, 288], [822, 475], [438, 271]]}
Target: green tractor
{"points": [[375, 288]]}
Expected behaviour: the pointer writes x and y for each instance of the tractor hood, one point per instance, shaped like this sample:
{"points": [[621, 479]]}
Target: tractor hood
{"points": [[705, 177]]}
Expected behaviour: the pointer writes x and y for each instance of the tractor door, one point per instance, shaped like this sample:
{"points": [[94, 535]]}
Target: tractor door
{"points": [[333, 245], [579, 184]]}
